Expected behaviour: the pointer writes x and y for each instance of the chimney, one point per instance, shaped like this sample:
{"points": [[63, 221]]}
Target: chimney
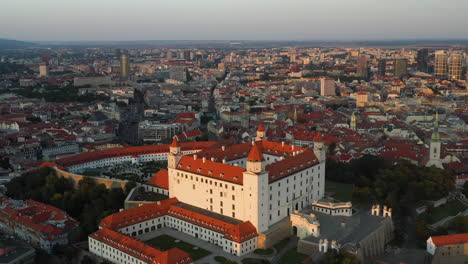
{"points": [[224, 161], [282, 144], [195, 157], [204, 159], [223, 148], [212, 158]]}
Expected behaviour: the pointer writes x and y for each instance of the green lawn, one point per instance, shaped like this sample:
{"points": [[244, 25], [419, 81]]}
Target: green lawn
{"points": [[339, 191], [255, 261], [292, 257], [261, 251], [449, 209], [165, 242]]}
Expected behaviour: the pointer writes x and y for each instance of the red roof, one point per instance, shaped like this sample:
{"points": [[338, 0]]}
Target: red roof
{"points": [[319, 137], [160, 179], [137, 214], [211, 169], [129, 151], [41, 220], [238, 232], [288, 166], [261, 128], [175, 143], [141, 250], [255, 154], [450, 239]]}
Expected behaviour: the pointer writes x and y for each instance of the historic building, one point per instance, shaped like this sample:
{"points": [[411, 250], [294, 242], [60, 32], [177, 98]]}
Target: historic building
{"points": [[335, 225], [448, 249], [232, 196], [39, 224]]}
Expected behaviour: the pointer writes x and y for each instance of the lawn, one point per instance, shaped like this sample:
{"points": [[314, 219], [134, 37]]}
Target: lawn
{"points": [[255, 261], [449, 209], [292, 257], [265, 252], [165, 242], [339, 191]]}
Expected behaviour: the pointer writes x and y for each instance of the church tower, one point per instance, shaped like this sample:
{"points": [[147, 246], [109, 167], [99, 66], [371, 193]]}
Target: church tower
{"points": [[260, 133], [295, 116], [174, 155], [353, 124], [435, 146], [319, 147]]}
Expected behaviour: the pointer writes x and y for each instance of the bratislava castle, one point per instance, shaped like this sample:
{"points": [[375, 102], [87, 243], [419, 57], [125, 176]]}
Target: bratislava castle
{"points": [[261, 182], [237, 197]]}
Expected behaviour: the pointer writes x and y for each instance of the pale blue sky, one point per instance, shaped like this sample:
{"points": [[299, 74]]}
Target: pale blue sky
{"points": [[232, 19]]}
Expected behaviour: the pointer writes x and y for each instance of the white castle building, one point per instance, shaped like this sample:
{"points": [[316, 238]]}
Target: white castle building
{"points": [[238, 197]]}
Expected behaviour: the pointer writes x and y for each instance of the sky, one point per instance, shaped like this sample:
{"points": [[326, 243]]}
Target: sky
{"points": [[321, 20]]}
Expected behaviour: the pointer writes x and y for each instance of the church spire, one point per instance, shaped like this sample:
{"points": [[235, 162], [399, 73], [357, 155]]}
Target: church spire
{"points": [[435, 133]]}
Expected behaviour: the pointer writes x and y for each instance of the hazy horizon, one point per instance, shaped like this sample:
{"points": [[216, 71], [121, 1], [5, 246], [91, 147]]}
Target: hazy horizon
{"points": [[259, 20]]}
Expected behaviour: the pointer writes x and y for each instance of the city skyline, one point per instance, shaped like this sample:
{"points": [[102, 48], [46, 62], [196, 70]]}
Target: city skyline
{"points": [[240, 20]]}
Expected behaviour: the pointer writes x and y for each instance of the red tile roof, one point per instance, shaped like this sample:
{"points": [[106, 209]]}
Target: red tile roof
{"points": [[160, 179], [291, 165], [140, 250], [261, 128], [175, 143], [450, 239], [238, 232], [137, 214], [255, 154], [211, 169], [36, 217], [319, 137], [129, 151]]}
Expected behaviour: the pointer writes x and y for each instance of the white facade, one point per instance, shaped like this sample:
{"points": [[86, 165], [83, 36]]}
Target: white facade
{"points": [[259, 200]]}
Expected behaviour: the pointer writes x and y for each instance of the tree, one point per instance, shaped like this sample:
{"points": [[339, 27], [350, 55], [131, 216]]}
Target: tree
{"points": [[460, 224], [334, 256], [129, 186], [87, 260], [331, 149], [422, 230], [465, 189]]}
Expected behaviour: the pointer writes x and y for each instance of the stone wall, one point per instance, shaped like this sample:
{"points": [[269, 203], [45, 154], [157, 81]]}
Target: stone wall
{"points": [[275, 233], [75, 178], [307, 247]]}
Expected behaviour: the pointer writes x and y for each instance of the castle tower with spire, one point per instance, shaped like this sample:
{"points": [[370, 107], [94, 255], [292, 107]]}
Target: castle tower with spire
{"points": [[435, 146], [175, 154], [256, 182], [260, 133]]}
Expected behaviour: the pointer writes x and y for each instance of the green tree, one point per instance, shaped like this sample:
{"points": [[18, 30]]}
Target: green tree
{"points": [[422, 230], [465, 189]]}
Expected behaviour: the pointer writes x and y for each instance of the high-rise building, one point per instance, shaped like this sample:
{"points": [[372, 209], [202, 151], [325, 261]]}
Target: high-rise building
{"points": [[455, 66], [362, 67], [327, 87], [381, 71], [421, 59], [401, 67], [440, 64], [124, 67], [43, 69]]}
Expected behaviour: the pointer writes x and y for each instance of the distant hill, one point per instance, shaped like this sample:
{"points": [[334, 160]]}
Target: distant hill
{"points": [[13, 44]]}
